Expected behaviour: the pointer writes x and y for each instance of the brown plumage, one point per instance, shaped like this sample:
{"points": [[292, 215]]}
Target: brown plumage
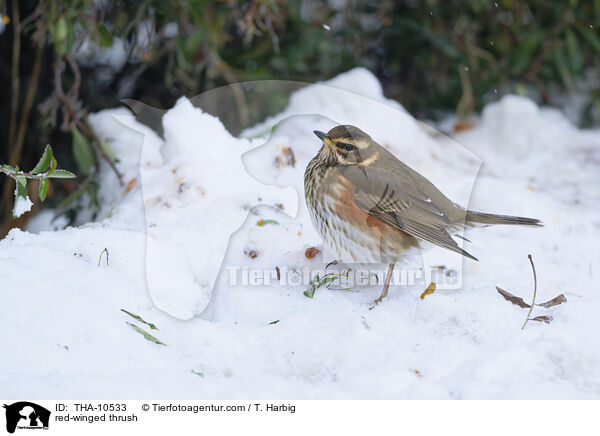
{"points": [[370, 207]]}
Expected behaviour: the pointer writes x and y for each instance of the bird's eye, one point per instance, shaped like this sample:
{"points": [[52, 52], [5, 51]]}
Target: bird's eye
{"points": [[349, 147]]}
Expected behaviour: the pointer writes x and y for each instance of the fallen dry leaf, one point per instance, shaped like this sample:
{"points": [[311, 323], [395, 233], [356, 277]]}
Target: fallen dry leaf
{"points": [[542, 318], [286, 158], [554, 302], [513, 298], [430, 290], [131, 184], [463, 125], [311, 252]]}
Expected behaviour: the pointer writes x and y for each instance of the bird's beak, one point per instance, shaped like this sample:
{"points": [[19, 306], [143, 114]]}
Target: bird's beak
{"points": [[323, 137]]}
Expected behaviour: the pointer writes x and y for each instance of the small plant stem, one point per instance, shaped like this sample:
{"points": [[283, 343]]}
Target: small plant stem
{"points": [[29, 174], [79, 119], [534, 291], [100, 258]]}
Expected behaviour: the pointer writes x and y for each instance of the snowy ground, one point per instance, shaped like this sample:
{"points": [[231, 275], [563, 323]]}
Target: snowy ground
{"points": [[66, 337]]}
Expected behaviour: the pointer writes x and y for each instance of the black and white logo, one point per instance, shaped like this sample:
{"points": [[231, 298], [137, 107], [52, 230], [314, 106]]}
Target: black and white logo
{"points": [[26, 415]]}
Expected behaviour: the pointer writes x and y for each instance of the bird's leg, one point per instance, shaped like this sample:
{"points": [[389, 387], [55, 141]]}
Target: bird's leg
{"points": [[386, 285]]}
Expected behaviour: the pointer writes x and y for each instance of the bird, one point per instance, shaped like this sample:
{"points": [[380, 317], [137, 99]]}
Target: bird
{"points": [[370, 207]]}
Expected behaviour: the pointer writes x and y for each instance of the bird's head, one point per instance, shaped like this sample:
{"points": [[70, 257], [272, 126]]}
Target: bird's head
{"points": [[347, 145]]}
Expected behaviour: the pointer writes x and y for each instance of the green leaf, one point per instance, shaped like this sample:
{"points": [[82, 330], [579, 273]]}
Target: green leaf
{"points": [[62, 174], [274, 322], [59, 33], [43, 188], [520, 89], [21, 187], [9, 169], [82, 151], [20, 192], [44, 162], [145, 334], [53, 165], [108, 150], [140, 319], [106, 39], [61, 27]]}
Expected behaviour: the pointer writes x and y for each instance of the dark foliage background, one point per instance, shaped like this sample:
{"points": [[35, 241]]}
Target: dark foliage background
{"points": [[435, 57]]}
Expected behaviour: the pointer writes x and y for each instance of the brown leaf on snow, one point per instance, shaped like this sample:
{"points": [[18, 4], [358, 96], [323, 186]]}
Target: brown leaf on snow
{"points": [[286, 158], [554, 302], [512, 298], [542, 318], [430, 290], [311, 252], [461, 126], [131, 184]]}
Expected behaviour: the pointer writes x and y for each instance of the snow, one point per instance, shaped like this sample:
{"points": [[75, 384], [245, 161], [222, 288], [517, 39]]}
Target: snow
{"points": [[22, 205], [211, 194], [463, 343]]}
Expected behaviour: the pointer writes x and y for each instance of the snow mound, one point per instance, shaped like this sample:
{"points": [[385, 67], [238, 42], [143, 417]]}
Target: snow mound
{"points": [[194, 200], [270, 340]]}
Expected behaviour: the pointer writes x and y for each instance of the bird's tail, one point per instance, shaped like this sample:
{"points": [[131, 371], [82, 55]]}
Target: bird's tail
{"points": [[490, 219]]}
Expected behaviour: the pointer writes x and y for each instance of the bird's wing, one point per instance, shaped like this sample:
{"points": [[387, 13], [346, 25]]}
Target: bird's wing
{"points": [[398, 198]]}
